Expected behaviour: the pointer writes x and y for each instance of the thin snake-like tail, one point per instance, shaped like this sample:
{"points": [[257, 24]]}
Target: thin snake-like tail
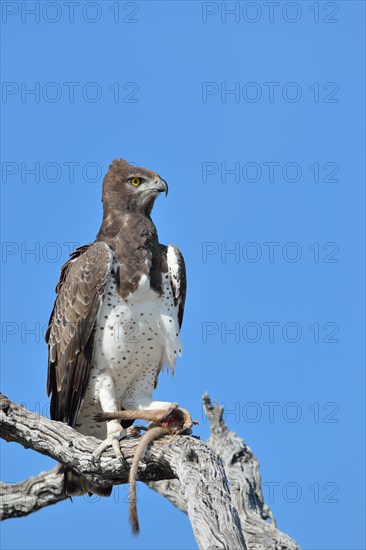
{"points": [[147, 438]]}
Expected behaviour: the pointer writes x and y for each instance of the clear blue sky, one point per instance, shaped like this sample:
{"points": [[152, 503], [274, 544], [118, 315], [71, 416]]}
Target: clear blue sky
{"points": [[272, 94]]}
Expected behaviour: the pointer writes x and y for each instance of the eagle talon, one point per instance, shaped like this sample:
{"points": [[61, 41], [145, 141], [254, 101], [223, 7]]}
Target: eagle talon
{"points": [[95, 460], [113, 441], [123, 461]]}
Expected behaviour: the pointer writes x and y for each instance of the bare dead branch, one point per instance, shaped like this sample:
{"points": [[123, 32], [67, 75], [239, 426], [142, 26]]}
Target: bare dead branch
{"points": [[217, 480], [25, 497], [242, 470], [196, 466]]}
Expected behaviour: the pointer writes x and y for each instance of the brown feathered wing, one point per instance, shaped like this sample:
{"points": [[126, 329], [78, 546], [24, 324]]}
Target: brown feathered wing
{"points": [[71, 329]]}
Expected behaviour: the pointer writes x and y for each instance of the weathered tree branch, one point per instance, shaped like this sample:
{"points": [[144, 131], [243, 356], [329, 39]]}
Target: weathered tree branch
{"points": [[25, 497], [169, 457], [242, 470], [185, 470]]}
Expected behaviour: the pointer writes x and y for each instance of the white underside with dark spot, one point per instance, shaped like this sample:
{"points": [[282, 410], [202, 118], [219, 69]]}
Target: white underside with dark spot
{"points": [[134, 339]]}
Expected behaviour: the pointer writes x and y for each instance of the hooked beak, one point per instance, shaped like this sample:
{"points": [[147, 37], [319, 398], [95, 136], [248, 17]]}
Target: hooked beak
{"points": [[161, 186]]}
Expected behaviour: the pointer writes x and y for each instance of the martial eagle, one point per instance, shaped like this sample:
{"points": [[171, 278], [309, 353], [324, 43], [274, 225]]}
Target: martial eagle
{"points": [[117, 316]]}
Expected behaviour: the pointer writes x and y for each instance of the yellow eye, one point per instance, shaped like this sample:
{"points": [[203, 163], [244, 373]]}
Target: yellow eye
{"points": [[135, 182]]}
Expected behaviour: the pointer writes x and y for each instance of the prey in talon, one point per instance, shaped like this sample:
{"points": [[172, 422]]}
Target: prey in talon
{"points": [[174, 416], [175, 421], [116, 321]]}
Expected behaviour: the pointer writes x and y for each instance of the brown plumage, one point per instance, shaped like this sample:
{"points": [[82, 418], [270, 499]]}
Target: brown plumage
{"points": [[126, 249], [71, 327]]}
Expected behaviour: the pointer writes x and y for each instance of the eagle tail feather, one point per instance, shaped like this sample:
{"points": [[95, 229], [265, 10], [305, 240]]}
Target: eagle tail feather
{"points": [[76, 485]]}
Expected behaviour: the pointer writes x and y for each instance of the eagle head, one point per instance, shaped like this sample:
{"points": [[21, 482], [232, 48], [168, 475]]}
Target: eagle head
{"points": [[129, 188]]}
